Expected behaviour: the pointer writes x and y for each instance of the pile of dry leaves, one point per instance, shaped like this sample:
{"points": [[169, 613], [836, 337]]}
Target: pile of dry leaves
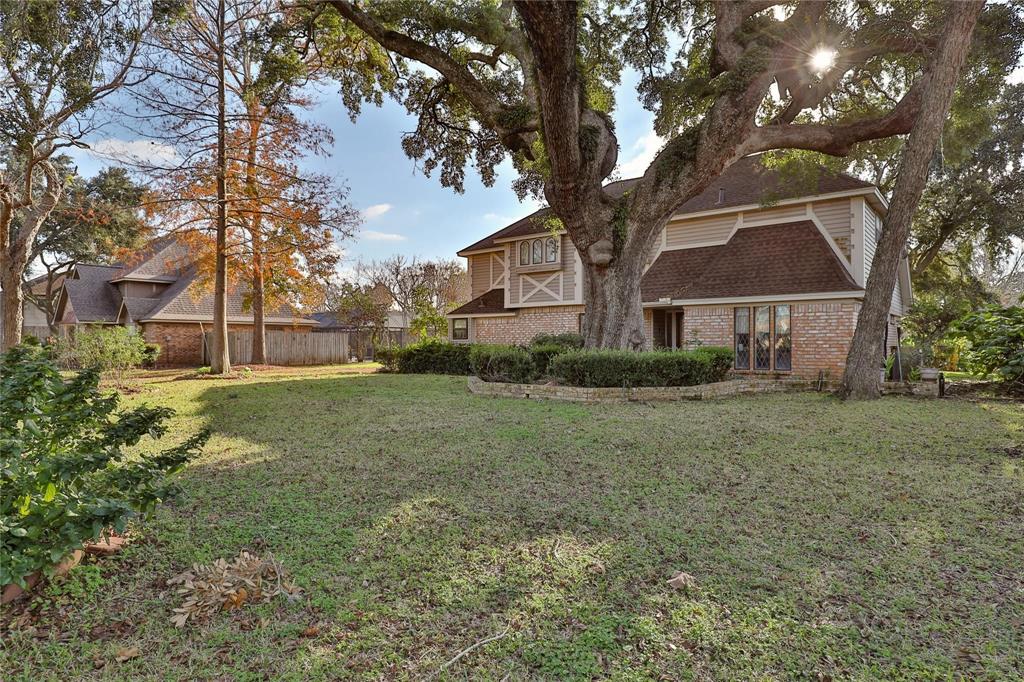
{"points": [[225, 586]]}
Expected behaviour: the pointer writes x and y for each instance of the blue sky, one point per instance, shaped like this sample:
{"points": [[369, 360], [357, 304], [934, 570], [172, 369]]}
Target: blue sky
{"points": [[404, 210]]}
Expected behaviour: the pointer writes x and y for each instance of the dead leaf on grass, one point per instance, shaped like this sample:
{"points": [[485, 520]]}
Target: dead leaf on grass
{"points": [[227, 586], [683, 581], [127, 653]]}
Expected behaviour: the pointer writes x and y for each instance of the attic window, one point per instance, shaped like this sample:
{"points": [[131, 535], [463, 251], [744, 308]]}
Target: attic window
{"points": [[721, 195]]}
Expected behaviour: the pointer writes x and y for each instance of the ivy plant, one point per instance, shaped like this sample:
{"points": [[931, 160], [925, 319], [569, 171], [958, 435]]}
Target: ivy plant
{"points": [[69, 469]]}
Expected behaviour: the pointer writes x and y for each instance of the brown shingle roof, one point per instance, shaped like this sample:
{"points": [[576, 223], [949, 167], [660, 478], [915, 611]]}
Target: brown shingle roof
{"points": [[489, 303], [785, 259], [92, 296], [745, 182]]}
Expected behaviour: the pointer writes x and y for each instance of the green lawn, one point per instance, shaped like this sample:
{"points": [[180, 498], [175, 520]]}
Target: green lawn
{"points": [[827, 540]]}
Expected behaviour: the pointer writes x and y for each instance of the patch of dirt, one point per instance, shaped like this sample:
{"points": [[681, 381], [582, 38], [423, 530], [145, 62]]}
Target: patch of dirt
{"points": [[985, 390]]}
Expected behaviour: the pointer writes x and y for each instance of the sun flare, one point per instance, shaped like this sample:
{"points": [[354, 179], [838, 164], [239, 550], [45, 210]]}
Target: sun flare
{"points": [[822, 59]]}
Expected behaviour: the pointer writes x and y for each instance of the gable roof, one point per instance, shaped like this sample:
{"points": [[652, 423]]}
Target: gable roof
{"points": [[92, 296], [743, 183], [782, 259]]}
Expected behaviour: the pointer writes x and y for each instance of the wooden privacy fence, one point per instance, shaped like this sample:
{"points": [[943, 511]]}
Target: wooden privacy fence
{"points": [[286, 348]]}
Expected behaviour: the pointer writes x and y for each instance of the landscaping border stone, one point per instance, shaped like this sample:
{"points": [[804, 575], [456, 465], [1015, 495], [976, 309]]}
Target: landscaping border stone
{"points": [[721, 389]]}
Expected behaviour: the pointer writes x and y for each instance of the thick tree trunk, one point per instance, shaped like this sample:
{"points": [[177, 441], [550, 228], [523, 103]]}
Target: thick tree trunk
{"points": [[864, 360], [13, 299], [220, 363]]}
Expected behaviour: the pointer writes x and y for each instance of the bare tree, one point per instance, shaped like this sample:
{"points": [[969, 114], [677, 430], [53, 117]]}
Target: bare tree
{"points": [[860, 379], [58, 61], [441, 283]]}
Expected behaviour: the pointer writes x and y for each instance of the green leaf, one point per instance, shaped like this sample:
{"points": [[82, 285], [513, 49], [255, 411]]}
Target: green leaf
{"points": [[25, 502], [50, 492], [19, 532]]}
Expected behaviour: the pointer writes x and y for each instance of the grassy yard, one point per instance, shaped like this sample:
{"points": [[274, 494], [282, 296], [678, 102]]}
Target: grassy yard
{"points": [[826, 540]]}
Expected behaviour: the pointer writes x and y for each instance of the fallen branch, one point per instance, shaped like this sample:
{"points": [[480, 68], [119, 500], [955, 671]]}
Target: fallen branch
{"points": [[467, 650]]}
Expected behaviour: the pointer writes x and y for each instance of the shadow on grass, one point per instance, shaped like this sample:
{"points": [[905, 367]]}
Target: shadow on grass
{"points": [[824, 537]]}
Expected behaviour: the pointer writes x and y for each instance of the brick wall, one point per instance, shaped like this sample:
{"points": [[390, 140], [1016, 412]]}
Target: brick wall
{"points": [[707, 326], [821, 334], [527, 323], [181, 342]]}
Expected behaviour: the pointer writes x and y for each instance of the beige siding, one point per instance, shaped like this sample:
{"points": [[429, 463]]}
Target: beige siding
{"points": [[480, 274], [835, 216], [897, 296], [683, 234], [780, 214], [872, 223], [550, 284]]}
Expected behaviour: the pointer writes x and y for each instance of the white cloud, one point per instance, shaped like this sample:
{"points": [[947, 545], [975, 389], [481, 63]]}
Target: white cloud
{"points": [[376, 211], [644, 151], [373, 235], [134, 151], [498, 218]]}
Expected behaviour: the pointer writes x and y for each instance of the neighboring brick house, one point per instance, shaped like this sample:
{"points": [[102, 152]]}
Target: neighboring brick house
{"points": [[780, 283], [161, 295]]}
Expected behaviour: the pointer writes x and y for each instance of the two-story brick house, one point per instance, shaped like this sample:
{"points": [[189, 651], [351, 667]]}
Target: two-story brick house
{"points": [[780, 282]]}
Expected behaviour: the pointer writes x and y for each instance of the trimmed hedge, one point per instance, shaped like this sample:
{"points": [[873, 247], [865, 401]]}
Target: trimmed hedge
{"points": [[428, 357], [565, 340], [543, 353], [504, 364], [613, 368]]}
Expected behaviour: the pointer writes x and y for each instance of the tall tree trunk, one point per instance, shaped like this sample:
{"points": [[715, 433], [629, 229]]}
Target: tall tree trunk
{"points": [[259, 326], [13, 300], [220, 363], [863, 361], [255, 222]]}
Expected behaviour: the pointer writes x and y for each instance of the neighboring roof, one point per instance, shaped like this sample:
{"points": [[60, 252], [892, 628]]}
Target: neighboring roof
{"points": [[770, 260], [743, 183], [489, 303], [92, 296], [181, 302], [162, 260], [396, 319], [138, 308]]}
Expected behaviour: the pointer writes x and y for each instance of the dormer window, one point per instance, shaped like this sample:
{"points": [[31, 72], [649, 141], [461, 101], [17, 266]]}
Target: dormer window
{"points": [[551, 250], [721, 195], [540, 251]]}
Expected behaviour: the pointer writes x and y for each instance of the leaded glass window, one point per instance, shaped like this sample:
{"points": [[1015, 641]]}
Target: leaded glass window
{"points": [[538, 251], [783, 339], [762, 337], [551, 250], [742, 334], [524, 253]]}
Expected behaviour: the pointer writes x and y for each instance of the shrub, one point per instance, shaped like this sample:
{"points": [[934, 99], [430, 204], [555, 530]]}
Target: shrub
{"points": [[611, 368], [110, 350], [150, 354], [65, 474], [507, 364], [996, 337], [565, 339], [543, 353], [388, 358], [430, 357]]}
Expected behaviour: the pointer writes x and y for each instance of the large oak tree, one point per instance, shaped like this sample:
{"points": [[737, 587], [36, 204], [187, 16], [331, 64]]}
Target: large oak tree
{"points": [[58, 61], [535, 80]]}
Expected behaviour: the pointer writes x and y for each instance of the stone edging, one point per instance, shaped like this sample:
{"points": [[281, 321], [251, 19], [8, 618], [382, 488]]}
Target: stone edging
{"points": [[721, 389]]}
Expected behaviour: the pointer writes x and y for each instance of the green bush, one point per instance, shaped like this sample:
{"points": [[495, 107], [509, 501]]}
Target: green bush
{"points": [[428, 357], [150, 354], [507, 364], [612, 368], [996, 338], [111, 350], [387, 357], [65, 470], [543, 353], [565, 339]]}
